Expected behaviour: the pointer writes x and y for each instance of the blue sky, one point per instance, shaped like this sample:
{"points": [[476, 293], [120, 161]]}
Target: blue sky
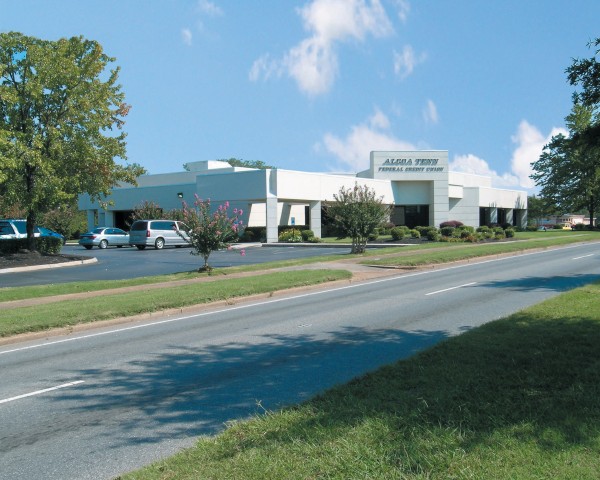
{"points": [[315, 85]]}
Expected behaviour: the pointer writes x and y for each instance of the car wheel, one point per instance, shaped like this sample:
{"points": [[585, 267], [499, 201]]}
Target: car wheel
{"points": [[160, 243], [87, 247], [140, 247], [103, 244], [119, 246]]}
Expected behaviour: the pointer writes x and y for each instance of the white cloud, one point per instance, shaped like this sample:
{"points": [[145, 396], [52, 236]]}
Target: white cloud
{"points": [[529, 143], [208, 8], [403, 9], [353, 152], [313, 62], [186, 36], [430, 113], [266, 67], [472, 164], [406, 61]]}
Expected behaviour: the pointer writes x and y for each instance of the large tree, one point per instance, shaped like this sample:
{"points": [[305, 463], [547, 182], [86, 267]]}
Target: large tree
{"points": [[61, 119], [586, 74], [569, 168], [356, 213], [568, 171]]}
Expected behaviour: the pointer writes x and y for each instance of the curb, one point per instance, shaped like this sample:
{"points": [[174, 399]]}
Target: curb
{"points": [[72, 263]]}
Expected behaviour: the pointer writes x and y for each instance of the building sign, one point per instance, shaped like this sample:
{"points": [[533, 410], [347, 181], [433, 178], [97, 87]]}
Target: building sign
{"points": [[423, 165], [411, 165]]}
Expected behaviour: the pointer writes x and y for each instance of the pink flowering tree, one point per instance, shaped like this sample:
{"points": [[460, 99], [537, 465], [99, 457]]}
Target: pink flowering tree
{"points": [[207, 232]]}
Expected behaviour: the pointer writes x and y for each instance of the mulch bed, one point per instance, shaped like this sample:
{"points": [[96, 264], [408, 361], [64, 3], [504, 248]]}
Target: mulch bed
{"points": [[31, 259]]}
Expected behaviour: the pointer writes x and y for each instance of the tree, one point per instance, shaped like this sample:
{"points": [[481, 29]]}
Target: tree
{"points": [[538, 208], [586, 72], [568, 171], [208, 232], [61, 115], [259, 164], [356, 213]]}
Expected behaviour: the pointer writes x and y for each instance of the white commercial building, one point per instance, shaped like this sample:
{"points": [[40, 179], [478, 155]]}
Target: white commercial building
{"points": [[417, 184]]}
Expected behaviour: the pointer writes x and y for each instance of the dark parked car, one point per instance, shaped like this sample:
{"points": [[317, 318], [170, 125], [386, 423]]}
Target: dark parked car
{"points": [[46, 232], [103, 237]]}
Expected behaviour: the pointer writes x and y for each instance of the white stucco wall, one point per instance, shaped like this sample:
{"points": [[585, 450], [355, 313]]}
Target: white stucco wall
{"points": [[273, 197]]}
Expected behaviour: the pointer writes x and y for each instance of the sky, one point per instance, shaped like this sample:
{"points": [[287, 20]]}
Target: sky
{"points": [[315, 85]]}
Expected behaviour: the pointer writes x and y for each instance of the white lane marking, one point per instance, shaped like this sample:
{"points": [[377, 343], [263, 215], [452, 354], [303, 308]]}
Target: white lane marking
{"points": [[284, 299], [451, 288], [39, 392], [584, 256]]}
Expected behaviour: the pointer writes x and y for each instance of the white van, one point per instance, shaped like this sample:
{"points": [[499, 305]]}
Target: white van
{"points": [[157, 234]]}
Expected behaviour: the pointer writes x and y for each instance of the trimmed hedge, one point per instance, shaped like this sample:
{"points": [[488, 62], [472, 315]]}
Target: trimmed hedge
{"points": [[44, 245]]}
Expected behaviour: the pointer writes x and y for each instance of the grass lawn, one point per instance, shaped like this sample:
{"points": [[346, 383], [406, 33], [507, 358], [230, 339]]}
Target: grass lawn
{"points": [[72, 312], [518, 398], [450, 252]]}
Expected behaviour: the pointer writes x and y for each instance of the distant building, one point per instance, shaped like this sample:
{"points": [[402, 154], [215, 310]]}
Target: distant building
{"points": [[418, 184], [567, 219]]}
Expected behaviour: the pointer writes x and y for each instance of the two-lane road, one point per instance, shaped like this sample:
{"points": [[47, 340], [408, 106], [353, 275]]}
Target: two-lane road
{"points": [[101, 403]]}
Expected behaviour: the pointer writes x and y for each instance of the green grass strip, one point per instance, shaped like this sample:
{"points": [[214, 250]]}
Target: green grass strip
{"points": [[460, 251], [71, 312], [517, 398], [534, 240]]}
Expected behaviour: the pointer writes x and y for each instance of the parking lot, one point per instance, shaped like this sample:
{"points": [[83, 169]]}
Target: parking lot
{"points": [[128, 262]]}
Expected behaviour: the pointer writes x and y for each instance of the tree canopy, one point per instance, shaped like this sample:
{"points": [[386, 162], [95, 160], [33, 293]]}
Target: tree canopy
{"points": [[568, 171], [237, 162], [61, 120]]}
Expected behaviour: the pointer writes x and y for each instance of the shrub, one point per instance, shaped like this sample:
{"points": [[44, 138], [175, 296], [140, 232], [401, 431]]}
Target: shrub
{"points": [[466, 228], [386, 228], [373, 236], [483, 229], [307, 235], [398, 233], [415, 233], [44, 245], [433, 235], [509, 232], [424, 230], [291, 235], [451, 223], [499, 236], [579, 226], [447, 231]]}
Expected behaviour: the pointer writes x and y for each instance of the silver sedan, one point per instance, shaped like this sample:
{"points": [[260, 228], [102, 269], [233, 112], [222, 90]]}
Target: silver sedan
{"points": [[103, 237]]}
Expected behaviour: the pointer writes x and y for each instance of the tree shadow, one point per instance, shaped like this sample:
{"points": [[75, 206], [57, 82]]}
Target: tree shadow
{"points": [[560, 283], [185, 392]]}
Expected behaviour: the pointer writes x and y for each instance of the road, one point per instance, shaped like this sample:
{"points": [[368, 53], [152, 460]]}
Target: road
{"points": [[110, 400], [122, 263]]}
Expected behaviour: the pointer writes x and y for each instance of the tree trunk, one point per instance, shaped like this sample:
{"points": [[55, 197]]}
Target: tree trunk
{"points": [[31, 220]]}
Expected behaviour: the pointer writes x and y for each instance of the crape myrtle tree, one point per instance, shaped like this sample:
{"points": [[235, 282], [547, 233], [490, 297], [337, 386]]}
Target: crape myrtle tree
{"points": [[356, 213], [208, 231], [61, 119]]}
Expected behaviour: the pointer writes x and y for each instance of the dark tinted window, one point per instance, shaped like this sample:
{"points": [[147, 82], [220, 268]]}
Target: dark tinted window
{"points": [[163, 225], [21, 226], [139, 225]]}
